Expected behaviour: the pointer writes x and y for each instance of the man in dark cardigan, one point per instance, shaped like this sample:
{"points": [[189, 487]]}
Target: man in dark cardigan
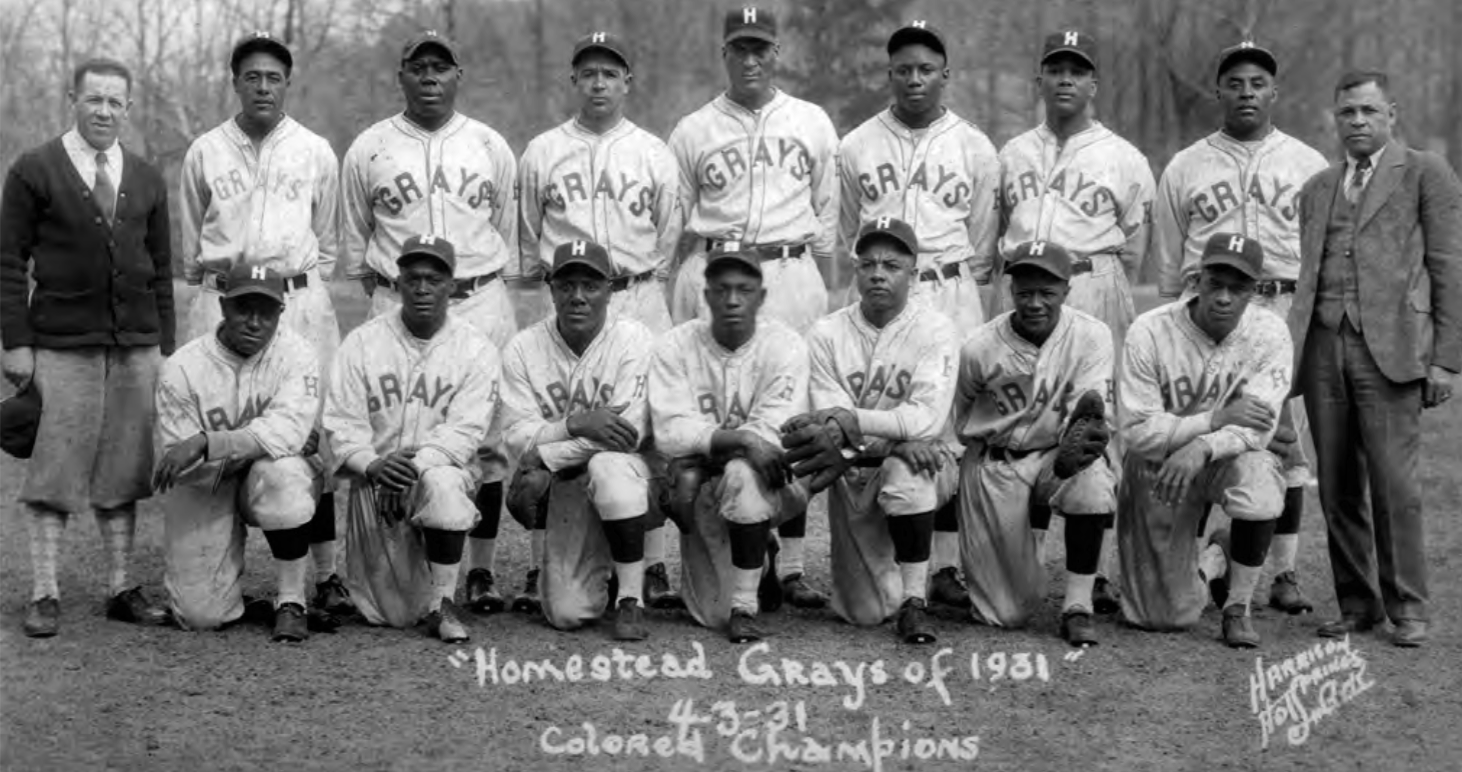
{"points": [[87, 221]]}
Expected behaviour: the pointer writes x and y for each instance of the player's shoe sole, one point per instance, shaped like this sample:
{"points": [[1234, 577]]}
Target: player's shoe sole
{"points": [[1069, 454]]}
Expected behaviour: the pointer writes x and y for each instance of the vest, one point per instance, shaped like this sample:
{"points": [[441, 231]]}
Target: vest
{"points": [[1338, 297]]}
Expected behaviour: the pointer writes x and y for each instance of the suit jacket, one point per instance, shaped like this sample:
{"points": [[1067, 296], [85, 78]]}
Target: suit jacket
{"points": [[1408, 253]]}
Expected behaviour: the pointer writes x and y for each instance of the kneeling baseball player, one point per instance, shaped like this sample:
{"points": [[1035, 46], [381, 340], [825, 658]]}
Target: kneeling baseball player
{"points": [[882, 382], [411, 397], [574, 390], [236, 411], [720, 391], [1202, 387], [1031, 406]]}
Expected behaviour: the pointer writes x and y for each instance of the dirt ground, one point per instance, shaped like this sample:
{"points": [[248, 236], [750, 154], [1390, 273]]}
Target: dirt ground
{"points": [[106, 696]]}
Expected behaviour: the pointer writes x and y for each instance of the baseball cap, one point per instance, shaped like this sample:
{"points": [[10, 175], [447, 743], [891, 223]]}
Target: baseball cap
{"points": [[1239, 252], [260, 41], [580, 252], [920, 32], [732, 253], [430, 246], [1246, 51], [430, 38], [751, 22], [254, 280], [607, 42], [887, 227], [1078, 44], [1044, 255]]}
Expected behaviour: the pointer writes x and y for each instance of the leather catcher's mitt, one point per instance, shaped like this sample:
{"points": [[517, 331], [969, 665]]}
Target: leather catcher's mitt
{"points": [[527, 497], [815, 441], [1085, 438]]}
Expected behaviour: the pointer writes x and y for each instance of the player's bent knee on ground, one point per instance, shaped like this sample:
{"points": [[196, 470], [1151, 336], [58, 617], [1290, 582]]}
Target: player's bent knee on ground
{"points": [[279, 494], [443, 499], [905, 491], [742, 496], [619, 485], [1252, 486]]}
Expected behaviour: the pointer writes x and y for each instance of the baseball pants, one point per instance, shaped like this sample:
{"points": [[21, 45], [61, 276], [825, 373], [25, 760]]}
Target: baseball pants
{"points": [[1007, 582], [1157, 541], [867, 586], [796, 295]]}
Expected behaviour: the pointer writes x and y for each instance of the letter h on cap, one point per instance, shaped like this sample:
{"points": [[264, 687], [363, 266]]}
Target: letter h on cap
{"points": [[597, 37], [1236, 244], [577, 249], [1072, 38], [918, 24], [1038, 248], [882, 223], [748, 15], [259, 272]]}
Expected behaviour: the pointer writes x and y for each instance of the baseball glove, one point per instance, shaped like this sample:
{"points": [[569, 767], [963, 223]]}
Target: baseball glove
{"points": [[815, 441], [527, 497], [1085, 438]]}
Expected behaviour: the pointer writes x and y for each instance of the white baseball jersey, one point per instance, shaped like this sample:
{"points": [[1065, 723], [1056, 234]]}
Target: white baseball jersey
{"points": [[899, 380], [1091, 194], [263, 405], [620, 189], [1221, 185], [697, 386], [1017, 395], [1174, 376], [942, 180], [457, 183], [545, 382], [390, 390], [276, 206], [764, 177]]}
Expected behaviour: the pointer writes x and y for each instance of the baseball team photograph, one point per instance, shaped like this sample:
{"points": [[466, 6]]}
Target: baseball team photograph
{"points": [[865, 386]]}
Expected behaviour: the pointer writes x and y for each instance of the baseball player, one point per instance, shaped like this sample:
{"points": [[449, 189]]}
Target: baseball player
{"points": [[1030, 380], [600, 178], [887, 368], [433, 170], [236, 443], [1245, 179], [1073, 182], [410, 401], [919, 162], [575, 412], [720, 392], [262, 190], [1203, 381], [758, 172]]}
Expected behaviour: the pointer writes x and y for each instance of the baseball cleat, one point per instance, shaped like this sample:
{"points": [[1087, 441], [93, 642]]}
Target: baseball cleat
{"points": [[946, 589], [527, 602], [1105, 598], [1078, 629], [1285, 595], [743, 627], [1071, 454], [1238, 631], [132, 606], [913, 624], [657, 589], [331, 596], [482, 594], [446, 623], [290, 623], [629, 623], [796, 591], [1218, 586], [43, 619]]}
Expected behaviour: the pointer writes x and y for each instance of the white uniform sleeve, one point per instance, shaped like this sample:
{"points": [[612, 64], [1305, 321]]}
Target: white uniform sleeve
{"points": [[784, 395], [1269, 381], [1094, 369], [177, 410], [824, 388], [347, 418], [925, 414], [1169, 233], [283, 427], [983, 224], [849, 203], [1134, 212], [526, 427], [687, 191], [825, 185], [681, 429], [326, 212], [1147, 428], [464, 428], [968, 387], [505, 213], [196, 195], [358, 220], [530, 216], [668, 217]]}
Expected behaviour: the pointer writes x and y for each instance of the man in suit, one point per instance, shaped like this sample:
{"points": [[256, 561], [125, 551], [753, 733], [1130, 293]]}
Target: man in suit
{"points": [[1377, 325], [87, 221]]}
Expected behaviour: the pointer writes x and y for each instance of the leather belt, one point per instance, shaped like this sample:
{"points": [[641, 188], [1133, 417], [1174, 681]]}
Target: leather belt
{"points": [[1002, 453], [465, 287], [946, 271], [622, 283], [764, 252], [1275, 287], [219, 281], [1081, 265]]}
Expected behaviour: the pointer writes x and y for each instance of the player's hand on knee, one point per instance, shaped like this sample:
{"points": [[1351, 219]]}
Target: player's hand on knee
{"points": [[20, 365], [312, 443], [922, 457], [1179, 471], [1245, 411], [765, 459], [393, 472], [179, 459], [606, 427]]}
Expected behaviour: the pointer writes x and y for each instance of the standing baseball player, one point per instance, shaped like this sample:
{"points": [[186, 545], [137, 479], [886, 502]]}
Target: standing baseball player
{"points": [[236, 445], [1073, 182], [882, 382], [411, 397], [758, 173], [919, 162], [575, 412], [720, 392], [1245, 179], [600, 178], [433, 170], [1032, 406], [1203, 382], [262, 190]]}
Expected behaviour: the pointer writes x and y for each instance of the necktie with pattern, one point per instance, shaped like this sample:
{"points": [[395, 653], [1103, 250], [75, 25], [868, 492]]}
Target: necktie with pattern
{"points": [[1358, 180], [105, 192]]}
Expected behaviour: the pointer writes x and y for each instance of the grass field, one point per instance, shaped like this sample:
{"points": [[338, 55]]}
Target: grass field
{"points": [[105, 695]]}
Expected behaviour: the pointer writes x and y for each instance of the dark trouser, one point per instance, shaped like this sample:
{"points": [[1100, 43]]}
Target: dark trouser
{"points": [[1367, 433]]}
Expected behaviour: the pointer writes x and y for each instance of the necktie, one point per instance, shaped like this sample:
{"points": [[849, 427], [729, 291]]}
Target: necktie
{"points": [[106, 194], [1358, 180]]}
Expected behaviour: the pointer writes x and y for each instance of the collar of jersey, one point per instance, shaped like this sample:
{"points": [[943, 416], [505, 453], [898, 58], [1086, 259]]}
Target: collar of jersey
{"points": [[732, 106], [406, 124], [573, 126], [238, 137], [235, 359], [1018, 341], [1192, 330], [1087, 136]]}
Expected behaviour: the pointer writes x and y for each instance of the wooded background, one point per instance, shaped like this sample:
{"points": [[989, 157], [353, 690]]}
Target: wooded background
{"points": [[1156, 61]]}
